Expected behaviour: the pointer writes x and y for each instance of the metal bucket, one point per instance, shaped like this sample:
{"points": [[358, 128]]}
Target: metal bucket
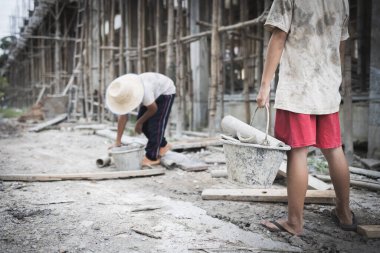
{"points": [[252, 164], [128, 157]]}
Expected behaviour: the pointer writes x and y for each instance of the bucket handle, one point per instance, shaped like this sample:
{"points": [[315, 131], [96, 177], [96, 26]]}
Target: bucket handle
{"points": [[250, 139]]}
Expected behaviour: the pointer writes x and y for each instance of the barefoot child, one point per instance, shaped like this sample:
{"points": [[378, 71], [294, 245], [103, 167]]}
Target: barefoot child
{"points": [[308, 36], [155, 92]]}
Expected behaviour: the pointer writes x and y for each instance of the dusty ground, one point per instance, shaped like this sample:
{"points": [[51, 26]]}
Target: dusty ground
{"points": [[103, 216]]}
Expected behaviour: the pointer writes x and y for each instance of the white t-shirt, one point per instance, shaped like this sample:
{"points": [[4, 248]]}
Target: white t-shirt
{"points": [[310, 68], [155, 85]]}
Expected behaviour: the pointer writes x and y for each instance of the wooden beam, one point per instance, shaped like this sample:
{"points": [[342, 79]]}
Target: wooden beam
{"points": [[267, 195], [358, 183], [51, 122], [82, 176], [313, 183], [369, 231], [368, 173]]}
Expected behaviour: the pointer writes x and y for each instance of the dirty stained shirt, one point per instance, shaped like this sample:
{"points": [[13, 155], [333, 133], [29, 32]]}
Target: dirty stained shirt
{"points": [[155, 85], [310, 67]]}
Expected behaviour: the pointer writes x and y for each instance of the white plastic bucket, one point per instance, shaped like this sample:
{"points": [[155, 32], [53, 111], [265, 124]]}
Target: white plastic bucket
{"points": [[128, 157]]}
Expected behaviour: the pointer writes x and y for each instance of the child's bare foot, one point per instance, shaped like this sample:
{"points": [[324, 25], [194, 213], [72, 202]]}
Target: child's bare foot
{"points": [[281, 226]]}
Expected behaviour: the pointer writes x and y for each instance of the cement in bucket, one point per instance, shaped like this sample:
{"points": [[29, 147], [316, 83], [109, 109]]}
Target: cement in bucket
{"points": [[128, 157], [252, 164]]}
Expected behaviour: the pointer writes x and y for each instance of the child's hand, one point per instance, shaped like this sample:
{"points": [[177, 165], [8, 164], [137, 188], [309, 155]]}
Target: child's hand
{"points": [[262, 98], [116, 144]]}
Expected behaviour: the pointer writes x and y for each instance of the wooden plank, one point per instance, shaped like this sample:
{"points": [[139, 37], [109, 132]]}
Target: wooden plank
{"points": [[369, 231], [219, 173], [368, 173], [370, 163], [51, 122], [172, 159], [215, 158], [358, 183], [82, 176], [267, 195], [313, 183], [196, 143]]}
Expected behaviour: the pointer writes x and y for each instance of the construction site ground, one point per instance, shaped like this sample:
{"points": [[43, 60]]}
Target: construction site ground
{"points": [[149, 214]]}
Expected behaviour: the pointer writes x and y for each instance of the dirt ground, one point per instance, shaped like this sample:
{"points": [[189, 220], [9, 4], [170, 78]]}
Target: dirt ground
{"points": [[151, 214]]}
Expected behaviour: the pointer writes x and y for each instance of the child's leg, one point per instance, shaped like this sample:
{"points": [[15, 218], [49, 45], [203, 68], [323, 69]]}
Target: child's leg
{"points": [[329, 141], [156, 126], [340, 178], [297, 179], [298, 131]]}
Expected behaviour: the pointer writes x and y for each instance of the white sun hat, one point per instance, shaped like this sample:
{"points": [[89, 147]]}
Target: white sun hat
{"points": [[124, 94]]}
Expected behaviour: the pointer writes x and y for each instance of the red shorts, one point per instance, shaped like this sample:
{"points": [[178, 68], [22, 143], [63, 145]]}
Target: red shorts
{"points": [[302, 130]]}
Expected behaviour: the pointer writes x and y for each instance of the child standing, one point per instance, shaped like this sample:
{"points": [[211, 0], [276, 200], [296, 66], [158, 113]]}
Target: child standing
{"points": [[155, 92], [308, 38]]}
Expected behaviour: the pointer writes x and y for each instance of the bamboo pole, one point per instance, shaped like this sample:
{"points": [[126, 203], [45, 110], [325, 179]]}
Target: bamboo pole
{"points": [[111, 41], [158, 34], [89, 49], [128, 40], [244, 44], [220, 88], [140, 35], [170, 42], [179, 72], [100, 60], [215, 51], [122, 37], [347, 103], [57, 51]]}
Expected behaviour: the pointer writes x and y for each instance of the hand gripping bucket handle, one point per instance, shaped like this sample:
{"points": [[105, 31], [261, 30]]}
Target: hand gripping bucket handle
{"points": [[252, 138]]}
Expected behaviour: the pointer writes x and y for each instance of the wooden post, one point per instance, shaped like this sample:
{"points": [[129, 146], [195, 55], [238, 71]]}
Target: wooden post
{"points": [[57, 50], [232, 74], [170, 67], [245, 54], [128, 40], [121, 38], [100, 60], [89, 50], [215, 51], [220, 88], [347, 104], [374, 87], [140, 35], [179, 72], [158, 34], [111, 41]]}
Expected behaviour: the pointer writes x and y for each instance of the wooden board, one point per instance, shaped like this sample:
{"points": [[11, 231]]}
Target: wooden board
{"points": [[267, 195], [51, 122], [369, 231], [370, 163], [358, 183], [313, 183], [219, 173], [368, 173], [196, 143], [82, 176], [172, 159]]}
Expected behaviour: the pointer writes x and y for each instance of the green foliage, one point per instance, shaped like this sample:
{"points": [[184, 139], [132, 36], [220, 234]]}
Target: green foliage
{"points": [[319, 164], [10, 113]]}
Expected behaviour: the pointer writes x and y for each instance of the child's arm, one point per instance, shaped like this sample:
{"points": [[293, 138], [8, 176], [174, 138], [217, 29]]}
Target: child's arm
{"points": [[121, 122], [275, 48], [150, 111]]}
